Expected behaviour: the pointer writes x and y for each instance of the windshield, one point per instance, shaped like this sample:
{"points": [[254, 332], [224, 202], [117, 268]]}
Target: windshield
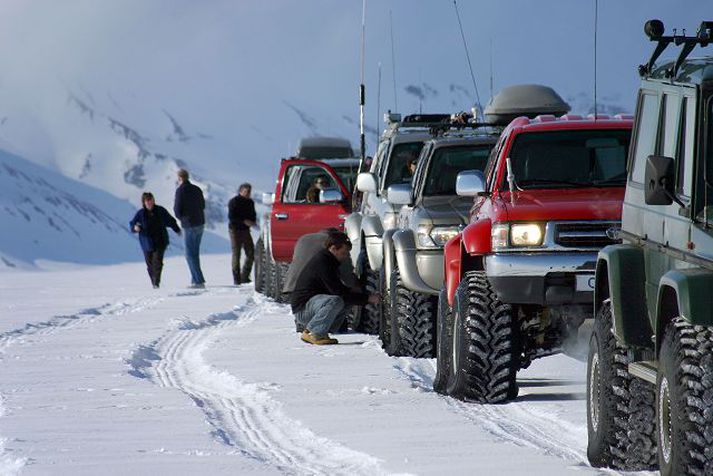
{"points": [[399, 170], [448, 162], [574, 158], [347, 175]]}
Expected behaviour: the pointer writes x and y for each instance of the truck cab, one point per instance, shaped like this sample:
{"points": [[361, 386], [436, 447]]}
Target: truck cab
{"points": [[519, 279], [650, 355]]}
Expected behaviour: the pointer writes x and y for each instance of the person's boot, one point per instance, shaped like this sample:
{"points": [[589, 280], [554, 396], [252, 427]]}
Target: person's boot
{"points": [[315, 339]]}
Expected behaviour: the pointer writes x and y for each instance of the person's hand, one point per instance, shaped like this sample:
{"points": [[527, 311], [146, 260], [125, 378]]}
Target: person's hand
{"points": [[137, 228], [374, 298]]}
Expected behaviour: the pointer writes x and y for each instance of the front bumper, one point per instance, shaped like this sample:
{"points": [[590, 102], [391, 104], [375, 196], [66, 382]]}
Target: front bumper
{"points": [[542, 278], [421, 270]]}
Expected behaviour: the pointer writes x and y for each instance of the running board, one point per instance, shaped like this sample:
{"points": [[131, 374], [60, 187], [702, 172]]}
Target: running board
{"points": [[645, 370]]}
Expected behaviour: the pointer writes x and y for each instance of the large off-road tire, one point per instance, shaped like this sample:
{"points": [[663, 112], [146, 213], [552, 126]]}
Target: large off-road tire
{"points": [[684, 400], [280, 275], [415, 315], [620, 407], [486, 344], [259, 277], [444, 341], [271, 284], [392, 346], [370, 314], [384, 314]]}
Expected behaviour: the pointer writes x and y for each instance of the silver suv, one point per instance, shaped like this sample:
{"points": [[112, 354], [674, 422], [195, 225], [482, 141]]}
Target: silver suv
{"points": [[430, 214], [401, 142]]}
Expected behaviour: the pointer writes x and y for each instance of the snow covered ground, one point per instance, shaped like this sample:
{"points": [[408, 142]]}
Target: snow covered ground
{"points": [[103, 375]]}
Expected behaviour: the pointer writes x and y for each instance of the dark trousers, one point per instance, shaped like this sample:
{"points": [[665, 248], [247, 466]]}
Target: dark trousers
{"points": [[239, 240], [154, 264]]}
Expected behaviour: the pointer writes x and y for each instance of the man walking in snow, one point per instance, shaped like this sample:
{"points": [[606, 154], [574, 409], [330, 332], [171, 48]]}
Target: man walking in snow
{"points": [[189, 207], [150, 223], [242, 216], [320, 296]]}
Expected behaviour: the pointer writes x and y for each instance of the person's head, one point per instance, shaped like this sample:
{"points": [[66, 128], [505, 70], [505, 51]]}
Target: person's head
{"points": [[245, 190], [339, 245], [147, 200], [411, 165], [182, 175], [321, 182]]}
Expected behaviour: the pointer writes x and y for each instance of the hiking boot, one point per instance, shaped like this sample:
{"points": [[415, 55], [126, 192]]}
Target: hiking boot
{"points": [[315, 339]]}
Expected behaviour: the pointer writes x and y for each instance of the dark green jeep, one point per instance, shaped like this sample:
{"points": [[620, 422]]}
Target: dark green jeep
{"points": [[650, 371]]}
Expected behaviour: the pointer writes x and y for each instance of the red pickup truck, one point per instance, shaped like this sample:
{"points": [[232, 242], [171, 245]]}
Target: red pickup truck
{"points": [[310, 195], [519, 277]]}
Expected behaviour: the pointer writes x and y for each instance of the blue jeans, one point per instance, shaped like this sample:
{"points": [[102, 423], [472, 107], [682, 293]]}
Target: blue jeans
{"points": [[192, 238], [322, 314]]}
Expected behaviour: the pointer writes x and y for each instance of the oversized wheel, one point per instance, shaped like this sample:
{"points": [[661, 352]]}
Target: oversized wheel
{"points": [[280, 274], [393, 345], [444, 341], [620, 407], [684, 400], [415, 315], [486, 344], [384, 314], [259, 277], [370, 315], [271, 282]]}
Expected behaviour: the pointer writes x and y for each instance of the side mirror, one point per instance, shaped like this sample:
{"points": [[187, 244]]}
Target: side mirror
{"points": [[268, 198], [470, 183], [659, 180], [330, 195], [366, 182], [399, 194]]}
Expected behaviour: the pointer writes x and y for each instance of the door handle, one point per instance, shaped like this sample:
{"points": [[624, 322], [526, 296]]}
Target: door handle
{"points": [[281, 216]]}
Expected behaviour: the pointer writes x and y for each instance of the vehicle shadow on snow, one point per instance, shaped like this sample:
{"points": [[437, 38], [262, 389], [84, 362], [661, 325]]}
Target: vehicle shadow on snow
{"points": [[551, 397], [547, 382]]}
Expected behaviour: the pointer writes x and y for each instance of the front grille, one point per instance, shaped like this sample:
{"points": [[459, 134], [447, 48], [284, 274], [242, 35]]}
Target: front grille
{"points": [[586, 235]]}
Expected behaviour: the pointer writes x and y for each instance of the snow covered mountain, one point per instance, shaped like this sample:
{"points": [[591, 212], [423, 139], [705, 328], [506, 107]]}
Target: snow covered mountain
{"points": [[47, 216]]}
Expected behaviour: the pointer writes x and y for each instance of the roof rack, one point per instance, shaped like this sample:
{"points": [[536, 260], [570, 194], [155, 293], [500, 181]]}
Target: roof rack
{"points": [[463, 123], [395, 121], [654, 29]]}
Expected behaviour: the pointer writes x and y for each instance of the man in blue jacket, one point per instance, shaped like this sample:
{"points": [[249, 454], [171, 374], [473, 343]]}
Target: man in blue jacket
{"points": [[189, 207], [150, 223]]}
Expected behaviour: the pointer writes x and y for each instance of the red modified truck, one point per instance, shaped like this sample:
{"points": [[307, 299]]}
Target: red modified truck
{"points": [[519, 277], [296, 211]]}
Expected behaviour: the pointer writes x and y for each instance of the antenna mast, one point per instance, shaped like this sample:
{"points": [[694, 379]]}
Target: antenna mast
{"points": [[393, 61], [378, 103], [596, 17], [467, 56], [362, 89]]}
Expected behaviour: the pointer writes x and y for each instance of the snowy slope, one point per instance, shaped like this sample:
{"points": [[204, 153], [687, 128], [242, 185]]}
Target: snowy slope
{"points": [[49, 217], [103, 375]]}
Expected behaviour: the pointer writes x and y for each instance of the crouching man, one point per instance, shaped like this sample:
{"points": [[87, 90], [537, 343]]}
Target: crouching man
{"points": [[319, 297]]}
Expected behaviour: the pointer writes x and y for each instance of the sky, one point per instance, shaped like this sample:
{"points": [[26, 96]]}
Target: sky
{"points": [[257, 75]]}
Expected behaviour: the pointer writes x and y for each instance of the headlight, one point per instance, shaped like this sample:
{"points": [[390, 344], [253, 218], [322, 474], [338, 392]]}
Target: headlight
{"points": [[525, 234], [429, 236], [390, 220], [507, 235]]}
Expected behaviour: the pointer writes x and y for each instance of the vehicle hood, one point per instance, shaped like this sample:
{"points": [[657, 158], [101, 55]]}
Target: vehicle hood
{"points": [[567, 204], [448, 210]]}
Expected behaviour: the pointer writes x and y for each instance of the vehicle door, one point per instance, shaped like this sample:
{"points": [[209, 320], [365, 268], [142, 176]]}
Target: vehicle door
{"points": [[293, 215]]}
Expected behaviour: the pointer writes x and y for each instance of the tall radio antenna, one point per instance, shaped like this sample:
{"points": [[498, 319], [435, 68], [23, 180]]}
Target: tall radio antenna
{"points": [[596, 18], [467, 56], [362, 88], [378, 103], [393, 61]]}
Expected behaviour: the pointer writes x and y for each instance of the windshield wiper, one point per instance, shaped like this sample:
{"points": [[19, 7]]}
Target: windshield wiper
{"points": [[565, 183]]}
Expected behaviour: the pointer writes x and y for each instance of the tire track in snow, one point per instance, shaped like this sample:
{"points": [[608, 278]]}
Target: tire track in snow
{"points": [[242, 415], [515, 422]]}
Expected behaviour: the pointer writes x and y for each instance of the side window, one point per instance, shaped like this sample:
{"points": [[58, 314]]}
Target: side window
{"points": [[684, 152], [311, 181], [669, 125], [491, 167], [287, 182], [646, 134]]}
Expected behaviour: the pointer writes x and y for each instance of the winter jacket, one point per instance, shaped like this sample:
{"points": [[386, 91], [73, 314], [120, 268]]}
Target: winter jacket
{"points": [[153, 234], [239, 210], [307, 246], [321, 276], [189, 205]]}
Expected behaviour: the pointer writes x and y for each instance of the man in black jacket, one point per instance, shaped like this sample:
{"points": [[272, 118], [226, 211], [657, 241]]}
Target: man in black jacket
{"points": [[242, 216], [188, 208], [320, 296]]}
